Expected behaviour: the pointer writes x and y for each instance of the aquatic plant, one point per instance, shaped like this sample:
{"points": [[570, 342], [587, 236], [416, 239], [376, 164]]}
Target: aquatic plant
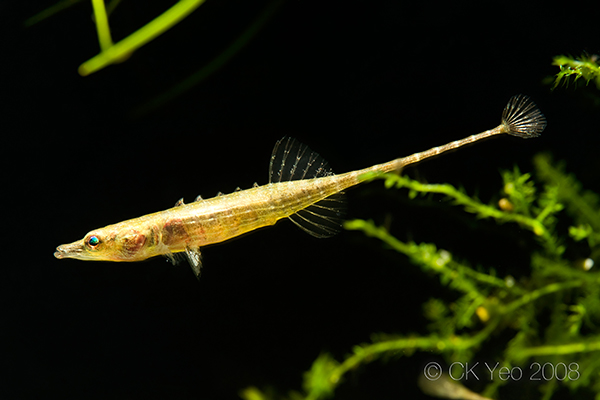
{"points": [[585, 67], [116, 52], [112, 53], [547, 318]]}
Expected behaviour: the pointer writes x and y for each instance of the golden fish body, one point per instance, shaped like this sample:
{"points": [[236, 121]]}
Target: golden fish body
{"points": [[302, 188]]}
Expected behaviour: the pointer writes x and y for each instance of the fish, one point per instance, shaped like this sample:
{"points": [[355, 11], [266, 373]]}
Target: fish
{"points": [[301, 188]]}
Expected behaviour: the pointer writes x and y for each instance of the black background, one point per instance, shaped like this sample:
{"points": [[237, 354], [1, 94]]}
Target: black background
{"points": [[359, 82]]}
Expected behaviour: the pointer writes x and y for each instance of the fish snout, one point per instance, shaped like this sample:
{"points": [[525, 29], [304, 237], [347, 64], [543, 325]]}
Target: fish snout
{"points": [[72, 250]]}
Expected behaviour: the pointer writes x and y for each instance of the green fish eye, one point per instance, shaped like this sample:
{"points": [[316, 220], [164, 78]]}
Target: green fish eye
{"points": [[93, 241]]}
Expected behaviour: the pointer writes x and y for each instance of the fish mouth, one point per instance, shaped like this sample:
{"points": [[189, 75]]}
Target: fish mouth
{"points": [[71, 250]]}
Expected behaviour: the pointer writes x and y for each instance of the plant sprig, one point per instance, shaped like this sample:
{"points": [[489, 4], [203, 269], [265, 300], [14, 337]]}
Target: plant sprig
{"points": [[487, 303], [585, 67]]}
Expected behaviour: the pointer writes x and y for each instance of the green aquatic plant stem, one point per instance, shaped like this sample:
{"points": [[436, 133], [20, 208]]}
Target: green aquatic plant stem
{"points": [[427, 256], [561, 349], [101, 17], [145, 34], [537, 293], [214, 65], [471, 205], [49, 12], [326, 373], [370, 229], [569, 190], [427, 343]]}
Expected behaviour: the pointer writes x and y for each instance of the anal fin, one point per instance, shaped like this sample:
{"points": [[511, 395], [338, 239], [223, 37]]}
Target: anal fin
{"points": [[324, 218]]}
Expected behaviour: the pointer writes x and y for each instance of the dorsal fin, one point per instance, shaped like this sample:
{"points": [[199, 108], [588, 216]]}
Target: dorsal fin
{"points": [[292, 160]]}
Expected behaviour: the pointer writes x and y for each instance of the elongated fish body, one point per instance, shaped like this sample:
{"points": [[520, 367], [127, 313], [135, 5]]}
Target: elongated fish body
{"points": [[301, 187]]}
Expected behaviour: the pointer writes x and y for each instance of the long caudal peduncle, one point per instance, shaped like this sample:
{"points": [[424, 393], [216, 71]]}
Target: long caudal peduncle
{"points": [[520, 117], [402, 162], [399, 163], [355, 177]]}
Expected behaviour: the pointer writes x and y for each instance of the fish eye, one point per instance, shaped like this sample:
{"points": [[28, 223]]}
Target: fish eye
{"points": [[93, 241]]}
